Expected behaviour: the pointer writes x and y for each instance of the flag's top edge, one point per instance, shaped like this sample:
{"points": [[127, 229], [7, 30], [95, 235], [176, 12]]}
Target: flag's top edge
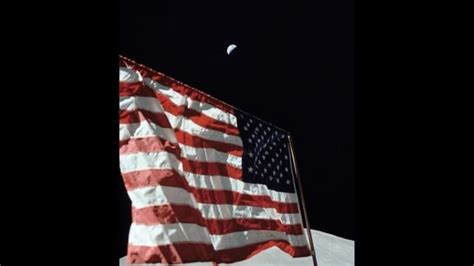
{"points": [[207, 95]]}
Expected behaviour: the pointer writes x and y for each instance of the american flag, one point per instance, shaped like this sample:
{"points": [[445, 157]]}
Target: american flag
{"points": [[207, 182]]}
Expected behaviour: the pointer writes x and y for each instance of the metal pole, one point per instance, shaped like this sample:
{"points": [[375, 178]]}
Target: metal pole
{"points": [[300, 191]]}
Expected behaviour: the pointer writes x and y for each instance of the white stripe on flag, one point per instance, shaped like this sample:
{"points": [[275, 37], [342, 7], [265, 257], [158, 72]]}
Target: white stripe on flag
{"points": [[211, 182], [192, 128], [161, 195], [129, 75], [144, 161], [132, 103], [145, 129], [149, 129], [201, 107], [217, 182], [210, 155], [165, 234], [166, 160]]}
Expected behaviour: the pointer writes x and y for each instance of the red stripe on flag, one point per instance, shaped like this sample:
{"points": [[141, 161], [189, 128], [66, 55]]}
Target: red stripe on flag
{"points": [[177, 86], [198, 142], [149, 144], [168, 214], [137, 116], [135, 89], [197, 117], [192, 252], [213, 168], [203, 168], [155, 144], [139, 89], [153, 177]]}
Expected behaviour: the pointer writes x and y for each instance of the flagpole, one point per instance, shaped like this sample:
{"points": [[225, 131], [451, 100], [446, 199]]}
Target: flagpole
{"points": [[300, 192]]}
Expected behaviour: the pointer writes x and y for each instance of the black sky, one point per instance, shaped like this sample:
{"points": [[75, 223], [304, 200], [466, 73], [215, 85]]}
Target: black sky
{"points": [[294, 67]]}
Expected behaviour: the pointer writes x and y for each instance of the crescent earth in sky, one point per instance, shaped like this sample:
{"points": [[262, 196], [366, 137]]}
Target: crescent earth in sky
{"points": [[230, 48]]}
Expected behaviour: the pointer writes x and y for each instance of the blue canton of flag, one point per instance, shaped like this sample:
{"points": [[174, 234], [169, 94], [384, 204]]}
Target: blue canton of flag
{"points": [[266, 158]]}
